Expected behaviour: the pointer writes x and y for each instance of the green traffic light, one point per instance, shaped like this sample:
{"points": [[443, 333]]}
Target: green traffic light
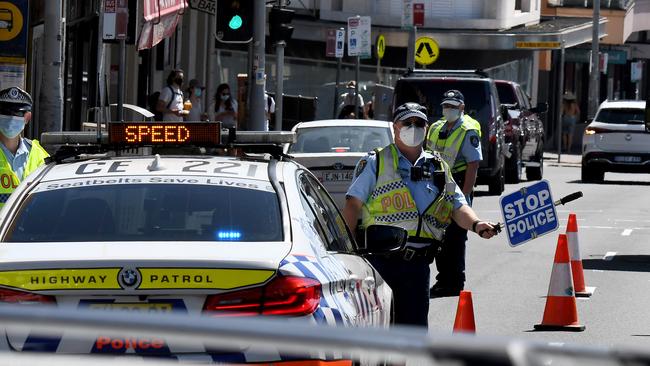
{"points": [[235, 23]]}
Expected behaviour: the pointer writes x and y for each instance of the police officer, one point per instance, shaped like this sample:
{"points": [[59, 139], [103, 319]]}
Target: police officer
{"points": [[457, 138], [385, 191], [20, 156]]}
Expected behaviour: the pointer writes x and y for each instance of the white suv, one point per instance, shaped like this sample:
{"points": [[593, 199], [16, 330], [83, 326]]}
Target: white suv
{"points": [[616, 141]]}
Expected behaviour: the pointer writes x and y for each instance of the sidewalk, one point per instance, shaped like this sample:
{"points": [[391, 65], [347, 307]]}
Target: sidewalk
{"points": [[565, 159]]}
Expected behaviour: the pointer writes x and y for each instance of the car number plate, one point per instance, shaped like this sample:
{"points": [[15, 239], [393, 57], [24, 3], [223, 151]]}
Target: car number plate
{"points": [[627, 159], [134, 307], [337, 176]]}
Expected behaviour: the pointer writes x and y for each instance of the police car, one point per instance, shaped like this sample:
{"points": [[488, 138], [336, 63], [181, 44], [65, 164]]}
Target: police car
{"points": [[255, 235]]}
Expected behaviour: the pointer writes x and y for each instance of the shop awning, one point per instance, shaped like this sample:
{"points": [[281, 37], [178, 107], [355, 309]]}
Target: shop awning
{"points": [[161, 18]]}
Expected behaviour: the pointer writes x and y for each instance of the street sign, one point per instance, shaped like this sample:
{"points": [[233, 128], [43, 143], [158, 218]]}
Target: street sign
{"points": [[529, 213], [381, 46], [636, 73], [426, 51], [418, 14], [340, 43], [359, 36], [407, 14], [116, 18], [330, 43], [14, 26], [205, 6]]}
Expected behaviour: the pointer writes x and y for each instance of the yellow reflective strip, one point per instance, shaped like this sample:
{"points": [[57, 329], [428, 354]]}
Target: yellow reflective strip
{"points": [[61, 279], [201, 278]]}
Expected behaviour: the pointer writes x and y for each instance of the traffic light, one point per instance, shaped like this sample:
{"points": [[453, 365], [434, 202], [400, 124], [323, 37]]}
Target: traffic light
{"points": [[235, 21], [280, 28]]}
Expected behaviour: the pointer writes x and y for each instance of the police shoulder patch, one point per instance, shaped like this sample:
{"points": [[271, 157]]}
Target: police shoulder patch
{"points": [[474, 140], [360, 167]]}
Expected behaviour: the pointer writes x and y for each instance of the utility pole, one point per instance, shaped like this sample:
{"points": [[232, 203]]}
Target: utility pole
{"points": [[257, 115], [279, 85], [594, 81], [51, 97]]}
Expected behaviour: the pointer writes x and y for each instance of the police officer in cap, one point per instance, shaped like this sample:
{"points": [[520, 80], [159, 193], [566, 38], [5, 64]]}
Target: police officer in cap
{"points": [[20, 156], [385, 191], [457, 138]]}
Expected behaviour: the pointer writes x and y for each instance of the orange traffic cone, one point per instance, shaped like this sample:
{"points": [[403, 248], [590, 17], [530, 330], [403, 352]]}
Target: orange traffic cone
{"points": [[576, 260], [561, 312], [465, 314]]}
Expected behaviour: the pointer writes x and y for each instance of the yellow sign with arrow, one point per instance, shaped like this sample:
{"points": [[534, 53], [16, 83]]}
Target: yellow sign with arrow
{"points": [[426, 50]]}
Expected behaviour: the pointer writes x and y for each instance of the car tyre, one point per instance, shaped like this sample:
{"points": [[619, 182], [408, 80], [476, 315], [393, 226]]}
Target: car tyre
{"points": [[497, 184], [592, 175], [536, 172], [514, 167]]}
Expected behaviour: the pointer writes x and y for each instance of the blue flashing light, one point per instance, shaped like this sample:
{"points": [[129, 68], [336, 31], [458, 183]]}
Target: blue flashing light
{"points": [[236, 22], [228, 235]]}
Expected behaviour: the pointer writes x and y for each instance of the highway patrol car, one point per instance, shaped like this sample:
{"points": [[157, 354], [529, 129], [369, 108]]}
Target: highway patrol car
{"points": [[224, 236]]}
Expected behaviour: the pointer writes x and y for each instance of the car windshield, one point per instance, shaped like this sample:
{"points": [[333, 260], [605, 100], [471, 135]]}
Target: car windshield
{"points": [[621, 116], [506, 93], [90, 210], [430, 93], [340, 139]]}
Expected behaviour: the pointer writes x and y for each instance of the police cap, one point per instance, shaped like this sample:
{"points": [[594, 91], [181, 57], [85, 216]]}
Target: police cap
{"points": [[408, 110], [15, 98], [453, 97]]}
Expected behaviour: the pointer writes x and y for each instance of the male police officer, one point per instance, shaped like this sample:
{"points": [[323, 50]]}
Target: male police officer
{"points": [[386, 192], [20, 156], [457, 137]]}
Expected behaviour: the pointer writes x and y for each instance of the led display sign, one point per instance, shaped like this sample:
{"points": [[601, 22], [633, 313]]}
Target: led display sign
{"points": [[166, 133]]}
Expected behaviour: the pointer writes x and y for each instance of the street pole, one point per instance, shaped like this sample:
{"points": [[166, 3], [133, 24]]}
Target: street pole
{"points": [[50, 113], [558, 112], [356, 88], [410, 49], [120, 81], [336, 87], [257, 119], [594, 81], [279, 84]]}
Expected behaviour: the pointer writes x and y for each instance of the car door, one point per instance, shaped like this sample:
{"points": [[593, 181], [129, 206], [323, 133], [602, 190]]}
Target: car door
{"points": [[370, 295]]}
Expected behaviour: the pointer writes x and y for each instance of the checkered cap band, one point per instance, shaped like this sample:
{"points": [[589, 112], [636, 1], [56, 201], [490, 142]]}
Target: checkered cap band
{"points": [[387, 188], [15, 95], [408, 110]]}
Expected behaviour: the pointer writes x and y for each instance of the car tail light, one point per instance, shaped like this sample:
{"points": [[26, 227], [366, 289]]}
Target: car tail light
{"points": [[492, 131], [21, 297], [288, 296], [595, 130]]}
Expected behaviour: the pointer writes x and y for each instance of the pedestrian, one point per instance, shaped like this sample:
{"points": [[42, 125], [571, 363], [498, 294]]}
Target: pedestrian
{"points": [[224, 107], [369, 108], [20, 156], [386, 189], [348, 99], [269, 108], [194, 95], [457, 138], [170, 100], [570, 115]]}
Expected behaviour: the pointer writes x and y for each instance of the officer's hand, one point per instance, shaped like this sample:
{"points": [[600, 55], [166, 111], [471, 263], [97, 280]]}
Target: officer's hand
{"points": [[487, 230]]}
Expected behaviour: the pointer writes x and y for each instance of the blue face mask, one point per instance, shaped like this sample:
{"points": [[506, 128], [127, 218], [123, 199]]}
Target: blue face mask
{"points": [[197, 92], [11, 126]]}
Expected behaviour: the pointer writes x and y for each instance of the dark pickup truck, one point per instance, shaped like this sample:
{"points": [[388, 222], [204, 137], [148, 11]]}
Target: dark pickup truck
{"points": [[524, 132]]}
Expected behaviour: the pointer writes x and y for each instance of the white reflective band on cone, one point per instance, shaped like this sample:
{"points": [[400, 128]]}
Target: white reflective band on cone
{"points": [[574, 247], [561, 277]]}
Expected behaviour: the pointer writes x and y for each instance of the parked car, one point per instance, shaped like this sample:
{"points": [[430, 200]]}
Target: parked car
{"points": [[524, 131], [331, 149], [616, 141], [481, 102]]}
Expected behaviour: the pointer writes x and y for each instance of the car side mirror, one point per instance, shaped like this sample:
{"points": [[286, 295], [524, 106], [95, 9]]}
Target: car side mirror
{"points": [[382, 239], [540, 108]]}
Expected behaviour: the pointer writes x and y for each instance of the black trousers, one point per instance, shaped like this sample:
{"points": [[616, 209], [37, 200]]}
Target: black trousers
{"points": [[409, 281], [450, 260]]}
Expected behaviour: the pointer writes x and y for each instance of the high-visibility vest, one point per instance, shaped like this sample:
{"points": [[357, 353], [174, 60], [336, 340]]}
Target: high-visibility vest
{"points": [[450, 147], [8, 178], [391, 202]]}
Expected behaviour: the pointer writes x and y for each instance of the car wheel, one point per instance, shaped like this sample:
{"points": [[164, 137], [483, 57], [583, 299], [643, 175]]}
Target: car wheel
{"points": [[497, 184], [536, 172], [592, 175], [514, 167]]}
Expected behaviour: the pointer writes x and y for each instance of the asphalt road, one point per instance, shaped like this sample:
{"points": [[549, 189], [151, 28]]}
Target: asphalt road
{"points": [[509, 285]]}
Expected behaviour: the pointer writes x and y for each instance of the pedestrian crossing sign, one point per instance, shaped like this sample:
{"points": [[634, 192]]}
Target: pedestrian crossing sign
{"points": [[426, 51]]}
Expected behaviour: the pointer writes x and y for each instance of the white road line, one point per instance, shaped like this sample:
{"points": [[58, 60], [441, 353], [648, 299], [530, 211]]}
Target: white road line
{"points": [[626, 232], [609, 256]]}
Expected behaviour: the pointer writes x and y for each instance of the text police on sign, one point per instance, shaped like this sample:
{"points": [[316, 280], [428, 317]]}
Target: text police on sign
{"points": [[529, 213]]}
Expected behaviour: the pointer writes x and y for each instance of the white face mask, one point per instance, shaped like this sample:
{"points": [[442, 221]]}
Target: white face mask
{"points": [[451, 114], [412, 136], [11, 126]]}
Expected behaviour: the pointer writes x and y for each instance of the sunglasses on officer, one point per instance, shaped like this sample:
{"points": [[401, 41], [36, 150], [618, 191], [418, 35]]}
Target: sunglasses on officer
{"points": [[418, 122], [14, 111]]}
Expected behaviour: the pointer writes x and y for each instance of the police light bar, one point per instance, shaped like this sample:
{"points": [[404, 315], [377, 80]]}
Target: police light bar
{"points": [[262, 137], [72, 138]]}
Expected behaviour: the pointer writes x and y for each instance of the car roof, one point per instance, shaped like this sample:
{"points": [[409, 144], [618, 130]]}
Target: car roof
{"points": [[221, 166], [343, 122], [623, 104]]}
